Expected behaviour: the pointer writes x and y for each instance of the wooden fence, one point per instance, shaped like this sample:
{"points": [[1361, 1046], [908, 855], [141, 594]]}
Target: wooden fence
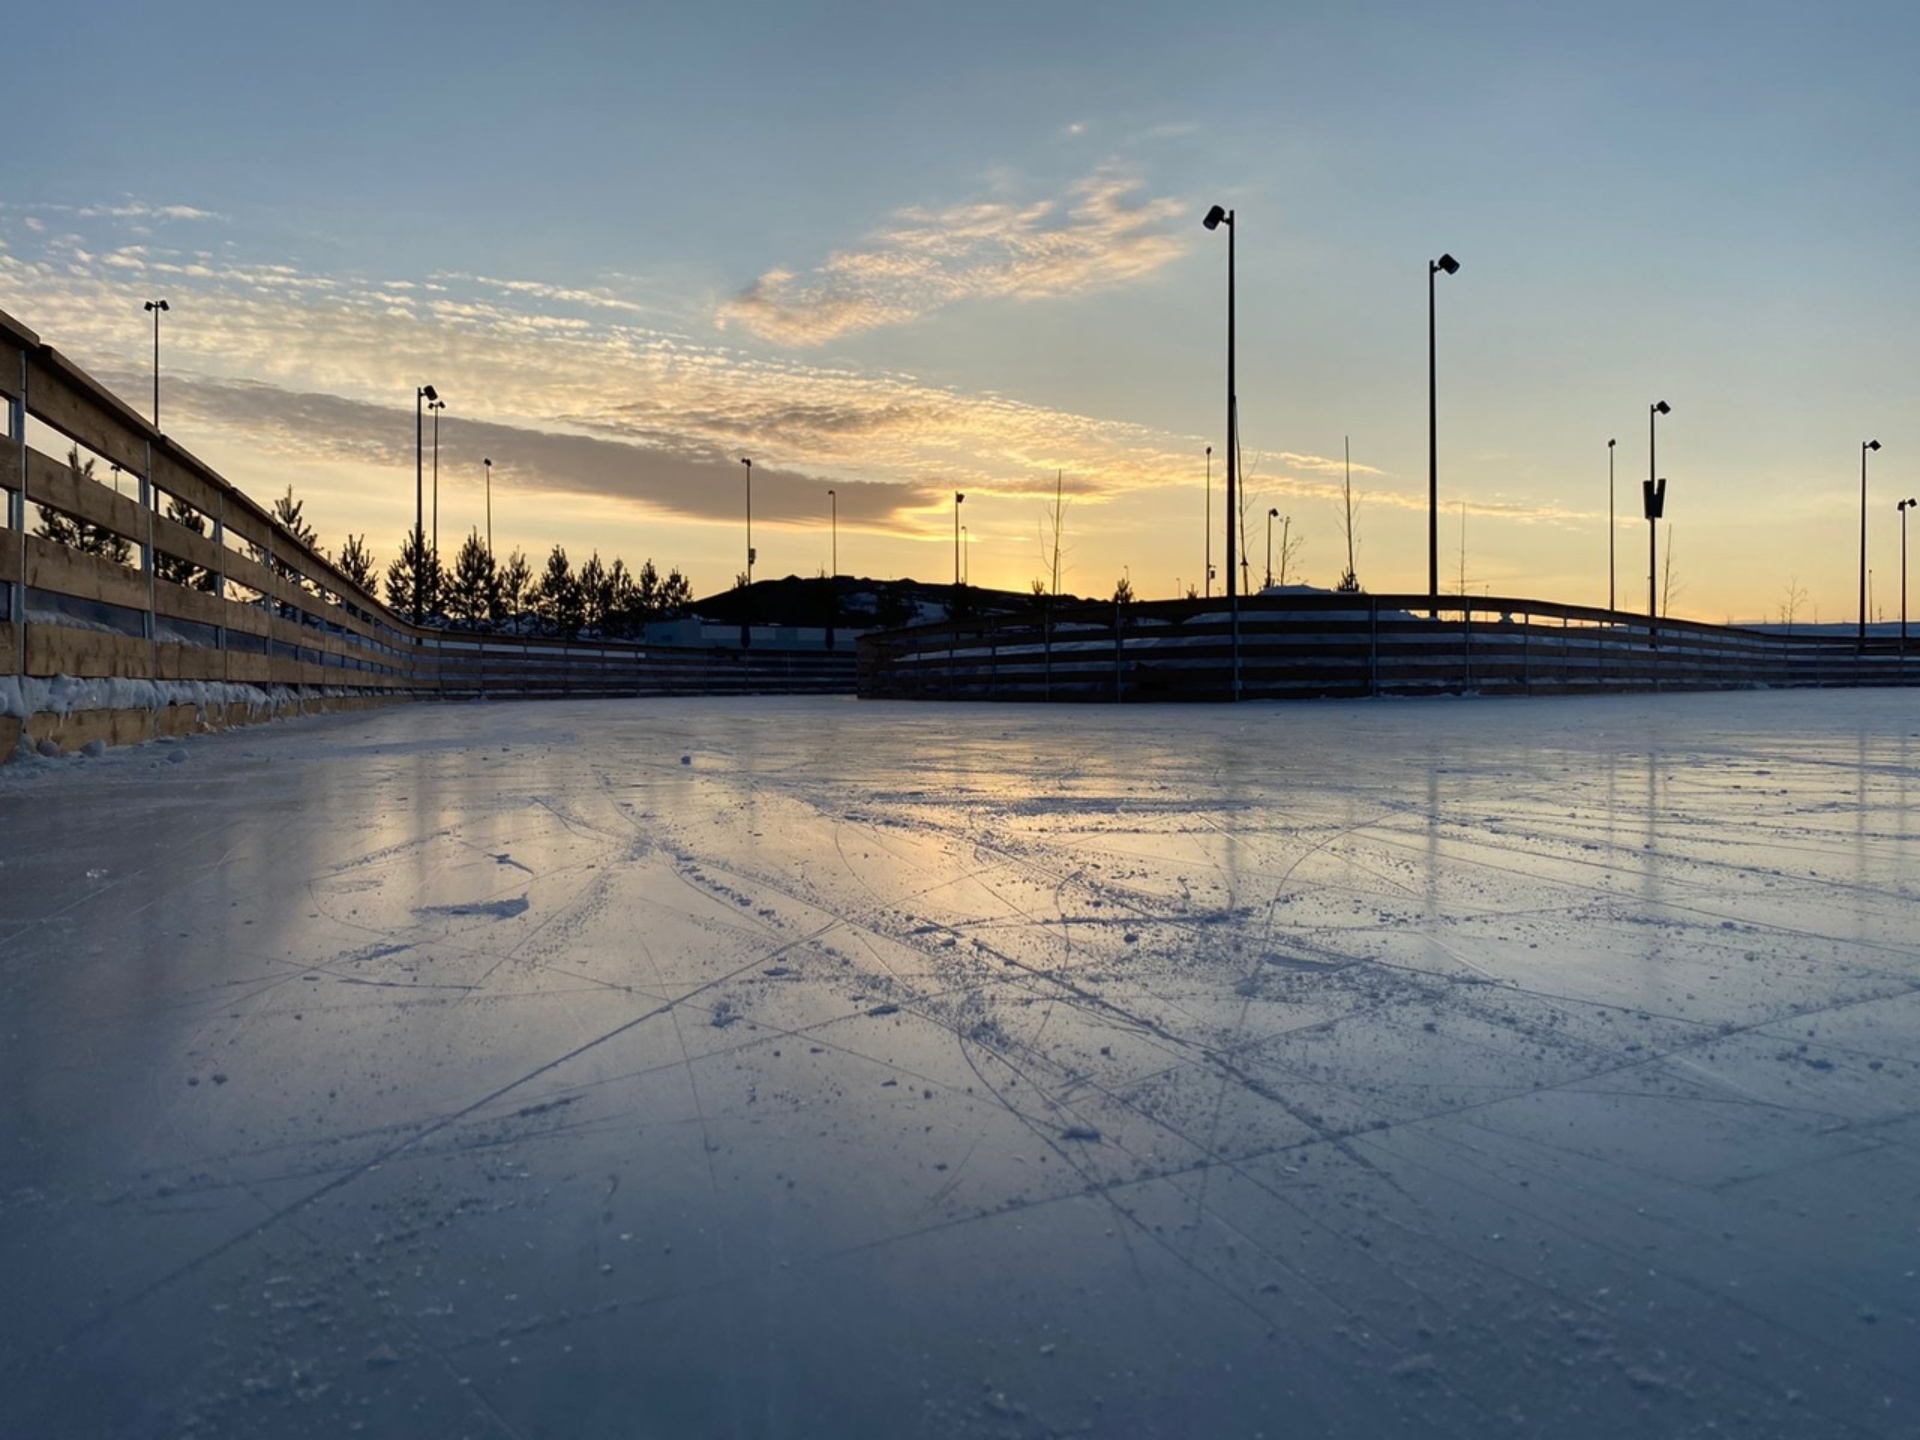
{"points": [[245, 603], [266, 611], [1305, 646]]}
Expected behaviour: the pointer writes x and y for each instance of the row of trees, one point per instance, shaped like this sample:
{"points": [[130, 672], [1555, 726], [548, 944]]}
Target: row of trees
{"points": [[480, 593]]}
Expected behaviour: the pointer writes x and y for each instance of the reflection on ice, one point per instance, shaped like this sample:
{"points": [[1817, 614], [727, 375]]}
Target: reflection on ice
{"points": [[810, 1067]]}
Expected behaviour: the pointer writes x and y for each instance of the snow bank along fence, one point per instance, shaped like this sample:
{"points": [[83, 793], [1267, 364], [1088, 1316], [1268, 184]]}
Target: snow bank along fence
{"points": [[1305, 646], [235, 620]]}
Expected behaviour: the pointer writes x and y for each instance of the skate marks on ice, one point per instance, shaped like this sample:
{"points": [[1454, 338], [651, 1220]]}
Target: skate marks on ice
{"points": [[1013, 1079]]}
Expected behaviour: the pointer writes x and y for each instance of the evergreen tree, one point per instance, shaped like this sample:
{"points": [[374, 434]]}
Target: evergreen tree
{"points": [[591, 585], [676, 596], [83, 535], [287, 514], [356, 562], [646, 592], [471, 597], [556, 599], [415, 579], [174, 568], [1123, 592], [623, 616], [513, 590]]}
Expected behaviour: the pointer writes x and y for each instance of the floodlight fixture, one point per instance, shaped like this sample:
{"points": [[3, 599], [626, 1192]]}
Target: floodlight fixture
{"points": [[1450, 265]]}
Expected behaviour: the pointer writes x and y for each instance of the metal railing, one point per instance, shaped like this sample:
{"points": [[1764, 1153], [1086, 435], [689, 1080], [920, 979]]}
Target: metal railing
{"points": [[1305, 646]]}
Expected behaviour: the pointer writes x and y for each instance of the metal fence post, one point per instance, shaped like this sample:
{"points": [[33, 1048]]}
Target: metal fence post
{"points": [[149, 502], [17, 515]]}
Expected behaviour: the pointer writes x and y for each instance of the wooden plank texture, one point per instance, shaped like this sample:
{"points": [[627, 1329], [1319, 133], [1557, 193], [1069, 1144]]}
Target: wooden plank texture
{"points": [[63, 396], [51, 566], [86, 654]]}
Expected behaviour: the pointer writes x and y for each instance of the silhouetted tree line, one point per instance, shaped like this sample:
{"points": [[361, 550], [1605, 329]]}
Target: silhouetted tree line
{"points": [[480, 593]]}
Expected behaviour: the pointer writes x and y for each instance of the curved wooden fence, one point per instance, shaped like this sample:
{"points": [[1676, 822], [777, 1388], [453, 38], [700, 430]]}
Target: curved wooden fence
{"points": [[1305, 646], [243, 604]]}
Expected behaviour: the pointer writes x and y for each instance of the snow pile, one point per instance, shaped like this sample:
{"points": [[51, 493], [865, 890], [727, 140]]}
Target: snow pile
{"points": [[25, 695]]}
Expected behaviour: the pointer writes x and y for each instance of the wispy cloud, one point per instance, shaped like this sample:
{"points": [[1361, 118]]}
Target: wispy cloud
{"points": [[597, 299], [1104, 234], [123, 210]]}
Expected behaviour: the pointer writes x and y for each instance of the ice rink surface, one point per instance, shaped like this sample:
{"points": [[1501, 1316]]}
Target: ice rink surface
{"points": [[824, 1068]]}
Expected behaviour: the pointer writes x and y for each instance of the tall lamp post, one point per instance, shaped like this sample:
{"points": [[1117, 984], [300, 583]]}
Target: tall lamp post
{"points": [[436, 407], [1215, 218], [958, 501], [1272, 515], [488, 466], [1611, 606], [1655, 497], [1434, 267], [422, 394], [154, 307], [1865, 446], [1903, 507], [746, 600]]}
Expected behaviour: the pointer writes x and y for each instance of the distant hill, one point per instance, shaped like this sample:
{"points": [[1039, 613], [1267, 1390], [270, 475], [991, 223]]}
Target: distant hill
{"points": [[863, 603]]}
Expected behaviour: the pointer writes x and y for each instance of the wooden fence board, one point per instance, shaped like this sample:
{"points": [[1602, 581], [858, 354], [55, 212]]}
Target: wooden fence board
{"points": [[52, 566], [86, 654], [53, 483], [64, 396]]}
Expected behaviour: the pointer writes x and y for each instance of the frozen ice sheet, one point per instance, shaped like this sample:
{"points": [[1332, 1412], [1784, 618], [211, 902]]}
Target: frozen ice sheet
{"points": [[798, 1068]]}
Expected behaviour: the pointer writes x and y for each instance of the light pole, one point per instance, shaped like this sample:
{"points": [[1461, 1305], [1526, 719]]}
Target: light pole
{"points": [[1434, 267], [420, 395], [1215, 218], [746, 600], [1272, 515], [1610, 528], [1209, 580], [1865, 446], [436, 407], [488, 464], [958, 501], [154, 307], [1655, 502], [1903, 507], [833, 522]]}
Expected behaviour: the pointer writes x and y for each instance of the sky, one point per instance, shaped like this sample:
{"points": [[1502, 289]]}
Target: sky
{"points": [[899, 251]]}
